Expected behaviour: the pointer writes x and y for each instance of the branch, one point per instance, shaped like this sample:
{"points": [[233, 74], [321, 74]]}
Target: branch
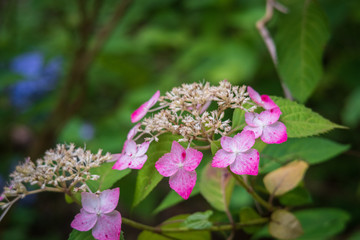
{"points": [[251, 191], [218, 228], [269, 42]]}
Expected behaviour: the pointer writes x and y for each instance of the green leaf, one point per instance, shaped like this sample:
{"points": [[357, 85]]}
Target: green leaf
{"points": [[322, 223], [174, 198], [285, 178], [248, 214], [198, 220], [238, 119], [175, 222], [108, 177], [216, 186], [300, 43], [148, 177], [284, 225], [312, 150], [77, 235], [215, 146], [301, 121], [297, 197]]}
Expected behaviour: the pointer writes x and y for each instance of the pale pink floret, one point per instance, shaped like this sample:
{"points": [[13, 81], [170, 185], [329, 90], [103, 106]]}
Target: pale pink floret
{"points": [[133, 131], [133, 155], [266, 126], [139, 113], [237, 153], [263, 101], [98, 213], [180, 165]]}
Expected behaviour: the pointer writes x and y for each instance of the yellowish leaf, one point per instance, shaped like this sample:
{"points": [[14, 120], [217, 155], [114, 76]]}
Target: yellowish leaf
{"points": [[285, 178], [284, 225]]}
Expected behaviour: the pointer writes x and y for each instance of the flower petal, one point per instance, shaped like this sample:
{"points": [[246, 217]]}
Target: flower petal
{"points": [[139, 113], [183, 182], [153, 99], [123, 162], [138, 162], [268, 103], [246, 163], [178, 152], [90, 202], [244, 140], [274, 133], [228, 144], [252, 119], [115, 157], [142, 149], [84, 221], [109, 200], [130, 147], [223, 159], [108, 226], [133, 131], [256, 130], [269, 116], [192, 159], [254, 95], [166, 166]]}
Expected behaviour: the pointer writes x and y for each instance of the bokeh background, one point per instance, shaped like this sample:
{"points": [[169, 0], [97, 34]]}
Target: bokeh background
{"points": [[73, 71]]}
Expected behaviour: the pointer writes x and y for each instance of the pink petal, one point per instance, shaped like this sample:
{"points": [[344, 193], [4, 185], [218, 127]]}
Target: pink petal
{"points": [[244, 140], [123, 162], [90, 202], [192, 159], [108, 226], [256, 130], [268, 103], [183, 182], [223, 159], [166, 166], [205, 106], [153, 99], [228, 144], [254, 95], [246, 163], [178, 152], [274, 133], [130, 147], [269, 116], [115, 157], [138, 162], [139, 113], [84, 221], [252, 119], [109, 200], [142, 148], [133, 131]]}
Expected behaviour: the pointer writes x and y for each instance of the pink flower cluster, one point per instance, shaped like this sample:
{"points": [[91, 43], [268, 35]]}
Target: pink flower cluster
{"points": [[237, 152], [98, 213]]}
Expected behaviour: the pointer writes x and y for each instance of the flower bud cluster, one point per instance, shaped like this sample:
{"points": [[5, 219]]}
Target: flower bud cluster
{"points": [[65, 168]]}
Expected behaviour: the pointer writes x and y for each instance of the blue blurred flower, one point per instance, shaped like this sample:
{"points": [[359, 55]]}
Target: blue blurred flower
{"points": [[87, 131], [38, 77]]}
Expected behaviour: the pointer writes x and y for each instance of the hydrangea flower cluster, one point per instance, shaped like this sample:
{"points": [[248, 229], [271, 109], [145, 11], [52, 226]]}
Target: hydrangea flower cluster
{"points": [[37, 76], [184, 112]]}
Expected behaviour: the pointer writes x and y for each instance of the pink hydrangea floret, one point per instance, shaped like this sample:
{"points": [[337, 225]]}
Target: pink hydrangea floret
{"points": [[139, 113], [98, 213], [266, 126], [133, 131], [180, 165], [263, 101], [133, 155], [238, 153]]}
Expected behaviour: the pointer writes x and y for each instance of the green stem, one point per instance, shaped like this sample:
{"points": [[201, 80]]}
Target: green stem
{"points": [[225, 227], [256, 197]]}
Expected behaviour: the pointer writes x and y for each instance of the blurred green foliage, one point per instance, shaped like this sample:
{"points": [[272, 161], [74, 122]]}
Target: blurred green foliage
{"points": [[160, 44]]}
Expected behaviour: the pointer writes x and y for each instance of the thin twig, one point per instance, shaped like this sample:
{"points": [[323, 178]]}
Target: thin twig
{"points": [[266, 36]]}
